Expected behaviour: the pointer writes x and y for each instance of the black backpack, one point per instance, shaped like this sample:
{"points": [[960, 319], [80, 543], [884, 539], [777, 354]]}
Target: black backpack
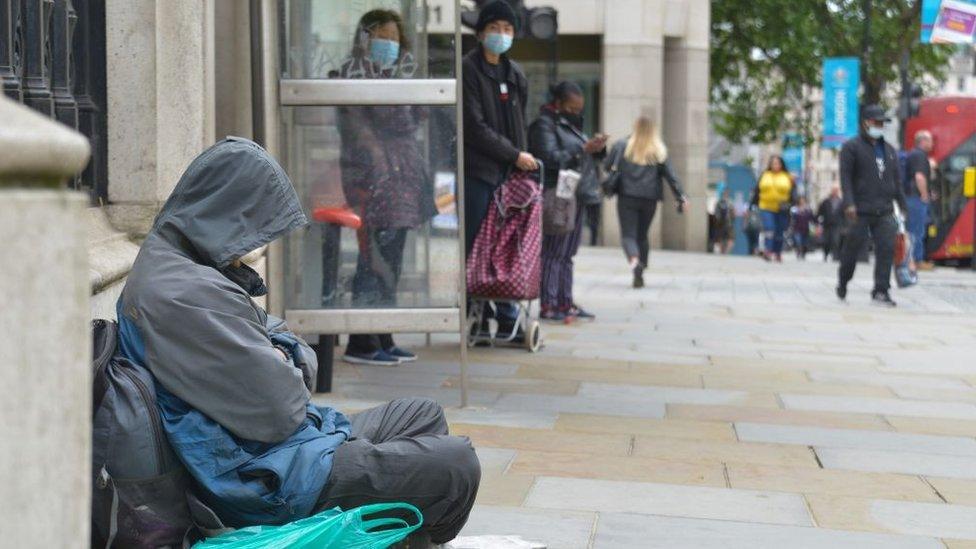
{"points": [[140, 488]]}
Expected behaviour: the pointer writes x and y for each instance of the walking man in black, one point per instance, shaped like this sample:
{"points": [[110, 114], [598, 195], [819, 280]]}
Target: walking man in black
{"points": [[871, 181]]}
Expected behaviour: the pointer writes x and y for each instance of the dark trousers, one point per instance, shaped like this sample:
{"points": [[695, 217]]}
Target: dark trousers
{"points": [[557, 267], [636, 215], [881, 229], [593, 212], [752, 241], [375, 283], [478, 198], [401, 452], [832, 241]]}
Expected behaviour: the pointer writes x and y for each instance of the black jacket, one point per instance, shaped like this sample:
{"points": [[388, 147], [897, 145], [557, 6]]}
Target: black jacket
{"points": [[642, 181], [830, 215], [554, 141], [489, 150], [863, 187]]}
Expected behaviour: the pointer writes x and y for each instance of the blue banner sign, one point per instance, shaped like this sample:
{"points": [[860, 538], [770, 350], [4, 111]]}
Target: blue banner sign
{"points": [[841, 79], [793, 157]]}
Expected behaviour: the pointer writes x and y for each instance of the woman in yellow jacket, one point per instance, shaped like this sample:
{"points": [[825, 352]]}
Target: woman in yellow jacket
{"points": [[774, 194]]}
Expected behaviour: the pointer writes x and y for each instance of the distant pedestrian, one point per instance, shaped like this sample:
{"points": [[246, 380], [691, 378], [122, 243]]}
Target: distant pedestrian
{"points": [[752, 227], [917, 179], [557, 139], [870, 177], [724, 223], [641, 163], [801, 220], [830, 215], [774, 195]]}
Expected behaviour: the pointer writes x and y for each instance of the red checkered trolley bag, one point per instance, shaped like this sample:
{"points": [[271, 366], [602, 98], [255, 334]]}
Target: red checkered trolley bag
{"points": [[505, 264]]}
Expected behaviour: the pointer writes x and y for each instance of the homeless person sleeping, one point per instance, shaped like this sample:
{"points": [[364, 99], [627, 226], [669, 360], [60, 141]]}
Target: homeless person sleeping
{"points": [[234, 400]]}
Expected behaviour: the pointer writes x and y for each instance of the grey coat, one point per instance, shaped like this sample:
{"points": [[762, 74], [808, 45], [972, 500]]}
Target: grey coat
{"points": [[204, 339]]}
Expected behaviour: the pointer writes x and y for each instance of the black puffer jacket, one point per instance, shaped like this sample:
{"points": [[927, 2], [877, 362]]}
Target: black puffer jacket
{"points": [[642, 181], [870, 192], [554, 141], [492, 144]]}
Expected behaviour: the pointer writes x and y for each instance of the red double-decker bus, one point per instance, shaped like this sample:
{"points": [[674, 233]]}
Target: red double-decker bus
{"points": [[952, 121]]}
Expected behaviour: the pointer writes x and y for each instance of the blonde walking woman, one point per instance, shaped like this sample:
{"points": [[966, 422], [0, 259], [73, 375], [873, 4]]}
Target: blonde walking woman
{"points": [[638, 164]]}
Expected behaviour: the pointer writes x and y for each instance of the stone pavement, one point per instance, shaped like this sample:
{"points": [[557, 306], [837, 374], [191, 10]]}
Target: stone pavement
{"points": [[731, 403]]}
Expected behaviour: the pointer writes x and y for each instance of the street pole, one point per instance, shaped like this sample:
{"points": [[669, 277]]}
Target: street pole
{"points": [[906, 97], [867, 6]]}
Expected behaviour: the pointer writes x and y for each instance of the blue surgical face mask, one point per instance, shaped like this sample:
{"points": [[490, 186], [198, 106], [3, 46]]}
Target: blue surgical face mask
{"points": [[384, 52], [875, 132], [498, 43]]}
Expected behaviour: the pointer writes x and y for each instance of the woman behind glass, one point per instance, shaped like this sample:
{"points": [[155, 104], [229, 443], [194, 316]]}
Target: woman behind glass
{"points": [[384, 177], [774, 195]]}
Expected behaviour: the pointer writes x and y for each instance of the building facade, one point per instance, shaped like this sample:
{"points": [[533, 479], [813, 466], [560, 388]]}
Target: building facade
{"points": [[160, 81]]}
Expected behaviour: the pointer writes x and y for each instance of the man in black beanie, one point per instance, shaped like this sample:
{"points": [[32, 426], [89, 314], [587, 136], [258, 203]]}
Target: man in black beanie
{"points": [[495, 97]]}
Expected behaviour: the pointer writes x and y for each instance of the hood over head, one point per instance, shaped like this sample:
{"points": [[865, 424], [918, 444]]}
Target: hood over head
{"points": [[232, 199]]}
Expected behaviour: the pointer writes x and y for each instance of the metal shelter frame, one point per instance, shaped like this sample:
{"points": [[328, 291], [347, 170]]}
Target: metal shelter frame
{"points": [[270, 93]]}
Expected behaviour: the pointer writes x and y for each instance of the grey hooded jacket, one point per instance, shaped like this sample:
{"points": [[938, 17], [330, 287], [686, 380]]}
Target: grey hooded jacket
{"points": [[204, 339]]}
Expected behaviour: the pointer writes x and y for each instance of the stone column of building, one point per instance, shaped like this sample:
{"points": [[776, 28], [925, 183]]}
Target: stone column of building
{"points": [[686, 89], [160, 72], [633, 68], [45, 371]]}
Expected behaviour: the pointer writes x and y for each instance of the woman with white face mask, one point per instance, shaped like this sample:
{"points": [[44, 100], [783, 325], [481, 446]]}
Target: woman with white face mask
{"points": [[495, 141], [385, 178]]}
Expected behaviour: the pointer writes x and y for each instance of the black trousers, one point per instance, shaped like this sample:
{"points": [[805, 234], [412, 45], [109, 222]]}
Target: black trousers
{"points": [[401, 452], [636, 215], [375, 283], [593, 212], [832, 241], [882, 230]]}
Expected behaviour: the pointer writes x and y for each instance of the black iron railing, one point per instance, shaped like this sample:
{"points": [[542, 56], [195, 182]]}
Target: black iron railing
{"points": [[52, 59]]}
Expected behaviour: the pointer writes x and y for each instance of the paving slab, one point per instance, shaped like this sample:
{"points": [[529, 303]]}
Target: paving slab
{"points": [[910, 463], [951, 427], [630, 468], [676, 395], [578, 404], [890, 380], [929, 519], [668, 500], [502, 418], [558, 529], [664, 428], [855, 438], [631, 531], [955, 490], [918, 408], [545, 440], [723, 452], [810, 480], [777, 416]]}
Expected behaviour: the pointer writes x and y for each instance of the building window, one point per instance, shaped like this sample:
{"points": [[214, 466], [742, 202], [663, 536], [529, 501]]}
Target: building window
{"points": [[52, 59], [961, 83]]}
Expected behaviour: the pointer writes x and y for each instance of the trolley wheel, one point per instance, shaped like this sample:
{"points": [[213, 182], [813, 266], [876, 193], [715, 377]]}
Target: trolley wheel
{"points": [[533, 337]]}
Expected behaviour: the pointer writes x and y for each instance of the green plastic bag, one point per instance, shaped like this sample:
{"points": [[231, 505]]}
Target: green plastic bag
{"points": [[333, 528]]}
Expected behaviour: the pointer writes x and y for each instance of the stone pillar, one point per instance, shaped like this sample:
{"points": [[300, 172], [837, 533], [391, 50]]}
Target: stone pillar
{"points": [[160, 72], [686, 71], [45, 371], [232, 69], [633, 68]]}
